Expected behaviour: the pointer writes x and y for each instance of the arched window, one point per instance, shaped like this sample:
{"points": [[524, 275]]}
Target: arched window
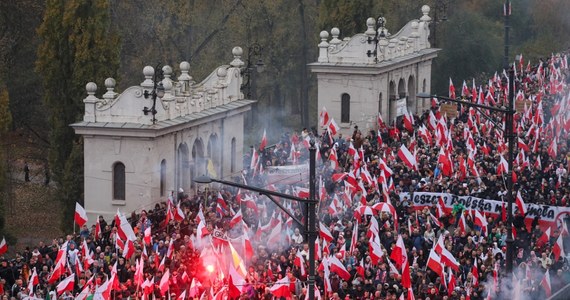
{"points": [[119, 181], [345, 108], [162, 177], [233, 156]]}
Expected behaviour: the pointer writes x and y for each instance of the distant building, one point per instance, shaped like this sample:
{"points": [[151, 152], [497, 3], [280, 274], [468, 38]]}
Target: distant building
{"points": [[374, 71], [133, 162]]}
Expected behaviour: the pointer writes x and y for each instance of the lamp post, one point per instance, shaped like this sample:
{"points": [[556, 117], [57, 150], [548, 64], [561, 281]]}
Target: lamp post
{"points": [[310, 212], [250, 70], [157, 92], [441, 8], [381, 21], [507, 14], [509, 112]]}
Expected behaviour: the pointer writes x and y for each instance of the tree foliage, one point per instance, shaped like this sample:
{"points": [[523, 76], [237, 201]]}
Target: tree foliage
{"points": [[76, 47]]}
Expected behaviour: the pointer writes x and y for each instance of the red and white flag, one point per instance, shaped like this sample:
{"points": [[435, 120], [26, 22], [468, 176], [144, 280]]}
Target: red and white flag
{"points": [[325, 233], [451, 89], [281, 288], [336, 266], [399, 255], [545, 282], [544, 238], [407, 157], [263, 141], [147, 236], [66, 285], [434, 262], [520, 204], [80, 215], [333, 127], [124, 228], [164, 282], [3, 246], [324, 117], [558, 248]]}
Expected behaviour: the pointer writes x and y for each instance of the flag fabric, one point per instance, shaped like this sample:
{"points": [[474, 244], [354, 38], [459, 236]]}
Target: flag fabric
{"points": [[407, 157], [281, 288], [124, 228], [520, 204], [164, 282], [545, 282], [451, 89], [324, 117], [337, 267], [325, 233], [263, 142], [558, 248], [66, 285], [3, 246], [80, 215]]}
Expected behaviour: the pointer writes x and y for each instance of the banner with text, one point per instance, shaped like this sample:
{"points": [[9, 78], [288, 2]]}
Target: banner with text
{"points": [[546, 213]]}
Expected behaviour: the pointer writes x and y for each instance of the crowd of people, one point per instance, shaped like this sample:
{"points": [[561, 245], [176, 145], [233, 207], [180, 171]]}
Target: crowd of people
{"points": [[230, 243]]}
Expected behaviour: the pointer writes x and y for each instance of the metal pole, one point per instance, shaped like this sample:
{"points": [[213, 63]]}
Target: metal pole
{"points": [[507, 27], [510, 136], [311, 219]]}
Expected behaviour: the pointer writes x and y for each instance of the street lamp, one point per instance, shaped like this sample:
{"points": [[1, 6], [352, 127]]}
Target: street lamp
{"points": [[509, 113], [157, 92], [381, 21], [250, 70], [441, 8], [310, 212]]}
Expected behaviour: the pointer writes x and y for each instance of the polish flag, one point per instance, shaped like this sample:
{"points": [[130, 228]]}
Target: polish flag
{"points": [[558, 248], [381, 123], [124, 228], [263, 141], [475, 273], [103, 292], [503, 166], [84, 292], [237, 218], [281, 288], [202, 230], [333, 127], [449, 260], [523, 145], [434, 263], [66, 285], [275, 234], [553, 148], [451, 284], [337, 267], [164, 282], [147, 236], [325, 233], [464, 89], [354, 238], [406, 279], [324, 117], [375, 249], [408, 158], [300, 262], [3, 246], [179, 214], [33, 280], [520, 204], [451, 89], [235, 283], [80, 215], [399, 255], [97, 233], [545, 282], [544, 238], [409, 121], [129, 249]]}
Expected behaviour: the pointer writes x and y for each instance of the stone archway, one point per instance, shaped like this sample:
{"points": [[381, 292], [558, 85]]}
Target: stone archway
{"points": [[412, 102], [183, 167], [198, 166], [392, 102]]}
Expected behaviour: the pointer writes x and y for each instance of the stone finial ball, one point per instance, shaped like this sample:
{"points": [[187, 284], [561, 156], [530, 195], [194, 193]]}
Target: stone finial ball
{"points": [[324, 34], [167, 70], [110, 82], [237, 51], [425, 9], [222, 72], [335, 31], [370, 22], [91, 87], [148, 71], [185, 66]]}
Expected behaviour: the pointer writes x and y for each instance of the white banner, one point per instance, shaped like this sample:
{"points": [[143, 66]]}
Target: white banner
{"points": [[401, 106], [546, 213], [287, 174]]}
